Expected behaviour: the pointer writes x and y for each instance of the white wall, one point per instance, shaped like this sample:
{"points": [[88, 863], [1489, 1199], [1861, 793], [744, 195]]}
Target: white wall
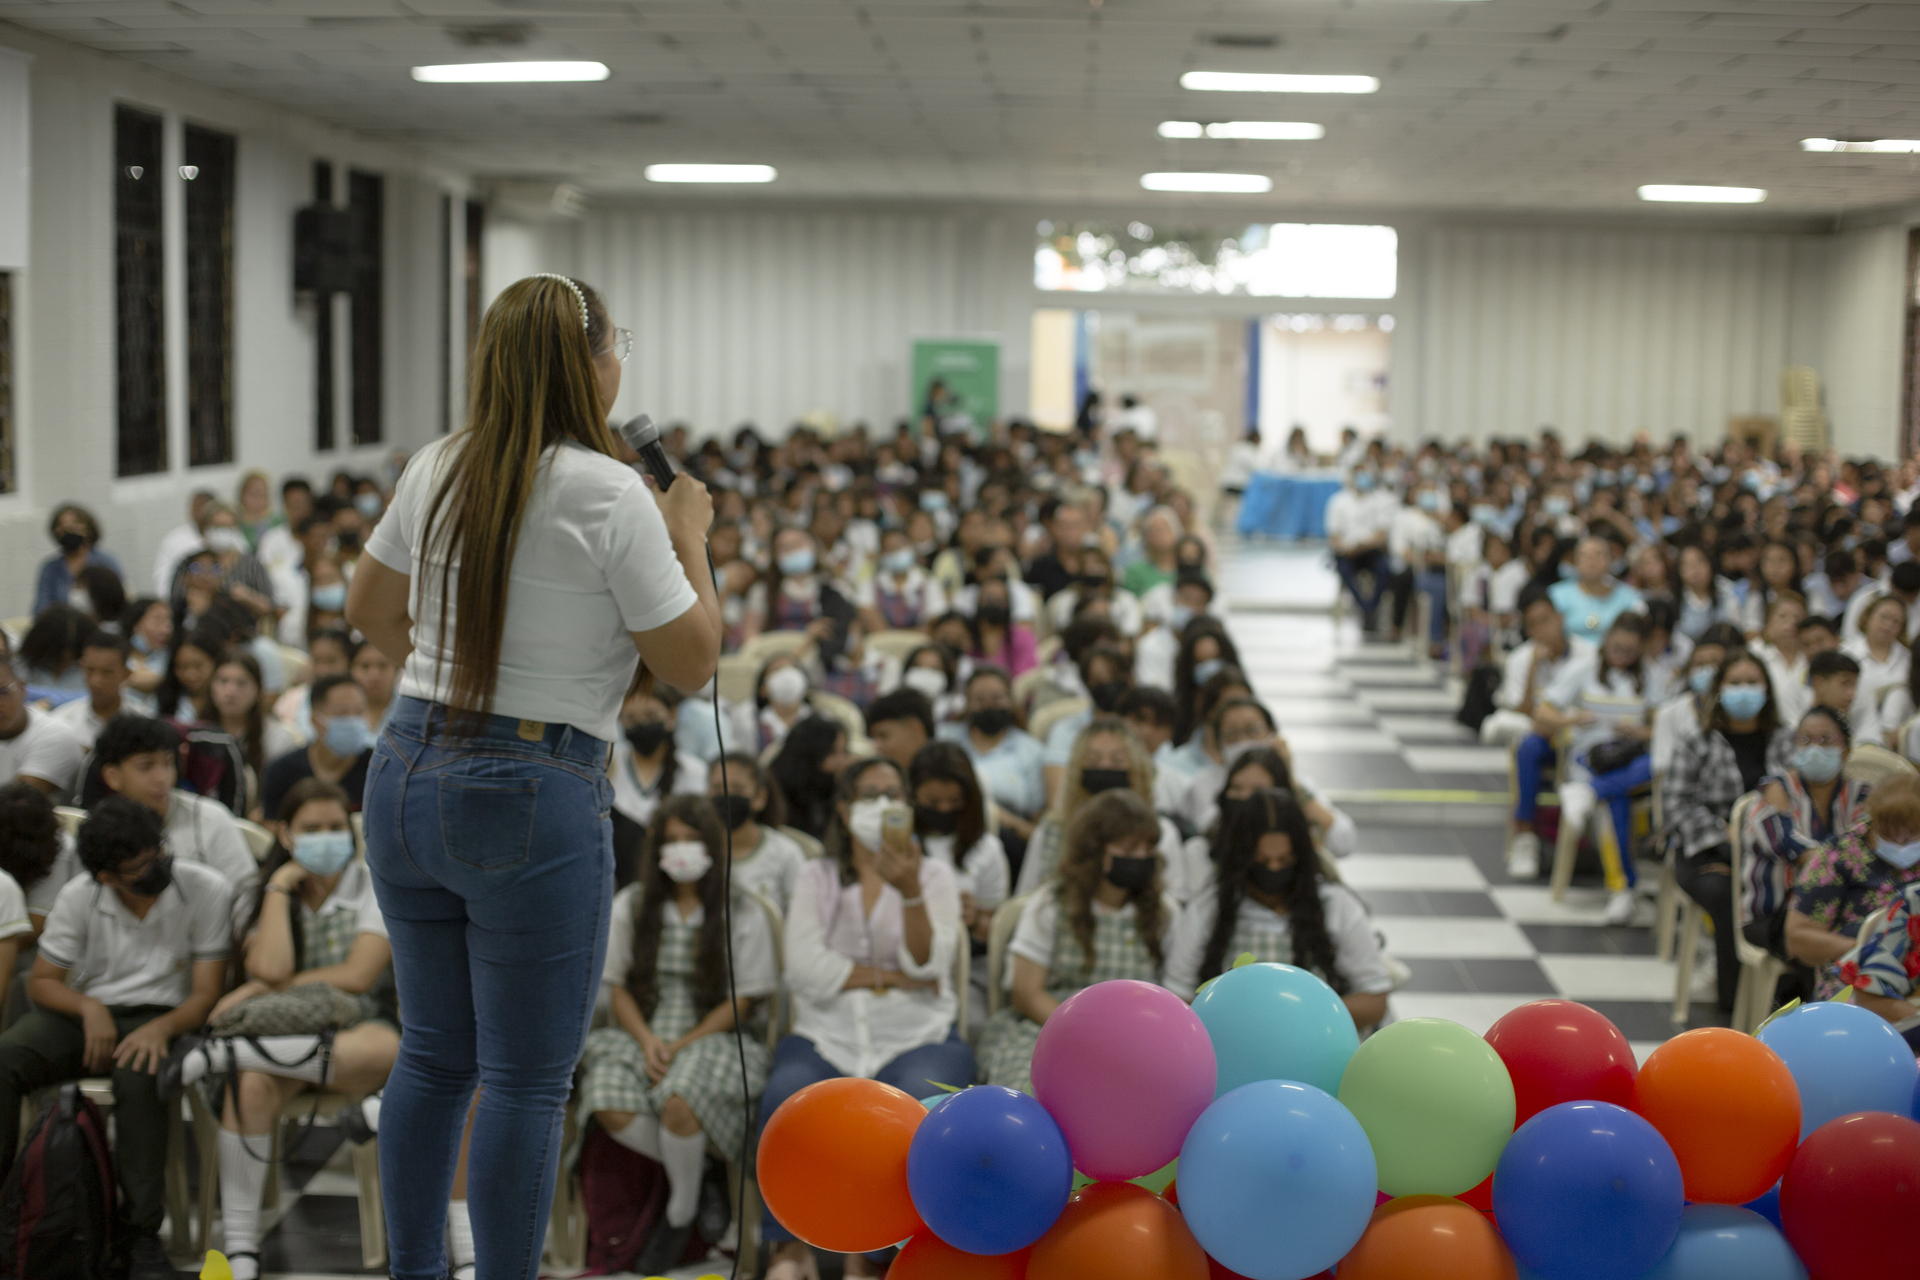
{"points": [[1865, 313], [64, 321]]}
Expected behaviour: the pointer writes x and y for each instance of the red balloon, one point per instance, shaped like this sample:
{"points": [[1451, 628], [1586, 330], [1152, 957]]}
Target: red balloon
{"points": [[1558, 1051], [1481, 1197], [928, 1257], [1851, 1196]]}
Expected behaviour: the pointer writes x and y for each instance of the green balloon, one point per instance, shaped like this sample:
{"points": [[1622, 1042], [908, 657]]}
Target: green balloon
{"points": [[1157, 1182], [1436, 1103]]}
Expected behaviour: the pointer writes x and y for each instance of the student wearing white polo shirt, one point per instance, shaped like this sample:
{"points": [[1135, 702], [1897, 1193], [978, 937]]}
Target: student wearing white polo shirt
{"points": [[35, 854], [133, 956], [139, 760], [103, 658], [34, 747]]}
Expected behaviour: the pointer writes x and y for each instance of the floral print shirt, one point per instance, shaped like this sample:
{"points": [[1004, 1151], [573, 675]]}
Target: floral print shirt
{"points": [[1846, 882], [1887, 962]]}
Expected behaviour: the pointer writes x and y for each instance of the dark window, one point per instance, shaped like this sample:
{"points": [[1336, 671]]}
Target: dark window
{"points": [[6, 383], [476, 224], [446, 314], [140, 341], [323, 331], [365, 192], [209, 159]]}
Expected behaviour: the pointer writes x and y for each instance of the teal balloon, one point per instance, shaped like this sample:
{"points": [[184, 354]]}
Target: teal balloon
{"points": [[1276, 1022], [933, 1100]]}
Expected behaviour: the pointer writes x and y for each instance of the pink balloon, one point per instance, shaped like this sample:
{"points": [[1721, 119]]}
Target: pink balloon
{"points": [[1124, 1068]]}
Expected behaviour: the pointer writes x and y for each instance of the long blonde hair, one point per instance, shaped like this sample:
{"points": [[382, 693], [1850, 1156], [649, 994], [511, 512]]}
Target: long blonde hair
{"points": [[533, 387], [1139, 766]]}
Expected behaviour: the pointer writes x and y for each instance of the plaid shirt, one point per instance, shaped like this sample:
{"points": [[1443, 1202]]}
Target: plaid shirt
{"points": [[1888, 962], [1701, 785], [1776, 839]]}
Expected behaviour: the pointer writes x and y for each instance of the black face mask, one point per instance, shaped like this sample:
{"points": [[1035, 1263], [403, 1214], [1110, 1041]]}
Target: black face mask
{"points": [[1094, 781], [648, 736], [154, 880], [1094, 581], [1130, 873], [71, 542], [736, 811], [1106, 694], [936, 822], [1232, 807], [1274, 882], [349, 541], [992, 721], [996, 615]]}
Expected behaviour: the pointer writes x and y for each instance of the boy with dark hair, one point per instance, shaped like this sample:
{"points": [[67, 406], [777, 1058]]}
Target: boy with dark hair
{"points": [[134, 954], [341, 749], [139, 759], [103, 658], [900, 723], [34, 747]]}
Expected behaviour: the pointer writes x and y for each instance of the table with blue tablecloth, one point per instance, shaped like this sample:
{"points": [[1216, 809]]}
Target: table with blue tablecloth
{"points": [[1287, 506]]}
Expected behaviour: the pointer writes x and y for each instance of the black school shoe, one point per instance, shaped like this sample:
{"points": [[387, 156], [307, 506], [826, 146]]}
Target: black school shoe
{"points": [[147, 1258], [664, 1248]]}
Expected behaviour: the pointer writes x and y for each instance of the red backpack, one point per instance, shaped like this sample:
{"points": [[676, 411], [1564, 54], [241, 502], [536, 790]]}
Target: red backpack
{"points": [[60, 1204]]}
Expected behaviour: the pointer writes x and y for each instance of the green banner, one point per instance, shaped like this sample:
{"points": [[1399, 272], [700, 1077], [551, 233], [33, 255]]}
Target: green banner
{"points": [[969, 371]]}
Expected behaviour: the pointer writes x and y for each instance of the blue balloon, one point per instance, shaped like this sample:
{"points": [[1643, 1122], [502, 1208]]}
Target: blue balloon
{"points": [[1768, 1206], [1276, 1022], [1277, 1180], [1587, 1191], [1720, 1242], [989, 1170], [1844, 1059]]}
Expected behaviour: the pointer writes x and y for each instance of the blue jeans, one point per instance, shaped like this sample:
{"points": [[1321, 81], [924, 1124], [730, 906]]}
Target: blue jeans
{"points": [[1617, 788], [492, 858], [1350, 568], [797, 1064], [1533, 754]]}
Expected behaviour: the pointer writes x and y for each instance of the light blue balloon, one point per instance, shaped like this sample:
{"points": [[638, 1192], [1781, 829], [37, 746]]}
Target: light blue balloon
{"points": [[1844, 1059], [1721, 1242], [1277, 1180], [1276, 1022]]}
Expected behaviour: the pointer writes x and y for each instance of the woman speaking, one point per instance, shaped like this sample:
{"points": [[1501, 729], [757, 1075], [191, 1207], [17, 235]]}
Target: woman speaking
{"points": [[520, 573]]}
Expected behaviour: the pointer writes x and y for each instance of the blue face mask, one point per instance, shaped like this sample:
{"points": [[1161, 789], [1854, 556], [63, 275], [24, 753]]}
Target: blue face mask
{"points": [[325, 853], [1817, 763], [367, 504], [897, 561], [1363, 482], [795, 563], [1483, 514], [1903, 856], [1182, 615], [1743, 701], [141, 646], [1556, 505], [1701, 678], [1428, 500], [933, 500], [1205, 671], [330, 599], [347, 736]]}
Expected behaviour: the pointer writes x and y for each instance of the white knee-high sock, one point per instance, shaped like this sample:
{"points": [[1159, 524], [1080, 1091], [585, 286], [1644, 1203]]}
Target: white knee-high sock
{"points": [[243, 1180], [642, 1134], [273, 1052], [686, 1161], [459, 1234]]}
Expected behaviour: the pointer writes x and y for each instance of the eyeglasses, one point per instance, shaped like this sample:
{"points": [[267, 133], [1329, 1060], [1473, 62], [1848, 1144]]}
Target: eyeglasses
{"points": [[622, 344]]}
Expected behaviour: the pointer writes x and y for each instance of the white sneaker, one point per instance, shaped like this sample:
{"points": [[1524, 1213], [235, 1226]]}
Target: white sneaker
{"points": [[1620, 908], [1523, 857], [1578, 800]]}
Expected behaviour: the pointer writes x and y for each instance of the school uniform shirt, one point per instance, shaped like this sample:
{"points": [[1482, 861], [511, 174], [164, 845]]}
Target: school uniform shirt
{"points": [[200, 830], [1199, 807], [1038, 929], [635, 800], [1012, 772], [349, 911], [1155, 655], [1355, 949], [1876, 674], [1412, 534], [1674, 721], [983, 873], [1512, 694], [1123, 607], [121, 960], [772, 869], [1612, 699], [13, 910], [1354, 517], [1505, 586], [755, 971], [829, 932], [905, 602], [46, 749], [1588, 617], [66, 866]]}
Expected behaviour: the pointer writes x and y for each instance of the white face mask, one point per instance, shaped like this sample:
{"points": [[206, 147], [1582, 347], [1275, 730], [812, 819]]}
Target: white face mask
{"points": [[864, 819], [685, 861], [926, 680], [787, 686]]}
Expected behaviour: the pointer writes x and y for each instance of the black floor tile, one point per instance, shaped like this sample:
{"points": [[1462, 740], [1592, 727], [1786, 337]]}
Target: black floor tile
{"points": [[1651, 1019], [1486, 783], [318, 1234], [1437, 974], [1588, 940], [307, 1153], [1507, 977], [1431, 902]]}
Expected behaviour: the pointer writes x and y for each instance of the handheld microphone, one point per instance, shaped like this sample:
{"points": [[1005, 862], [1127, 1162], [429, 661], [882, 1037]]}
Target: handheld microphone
{"points": [[644, 439]]}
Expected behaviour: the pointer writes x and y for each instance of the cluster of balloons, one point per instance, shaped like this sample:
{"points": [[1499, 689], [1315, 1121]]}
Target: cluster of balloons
{"points": [[1537, 1152]]}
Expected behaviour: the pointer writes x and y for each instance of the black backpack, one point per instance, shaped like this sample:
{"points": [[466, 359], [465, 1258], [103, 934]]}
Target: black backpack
{"points": [[1482, 683], [60, 1204]]}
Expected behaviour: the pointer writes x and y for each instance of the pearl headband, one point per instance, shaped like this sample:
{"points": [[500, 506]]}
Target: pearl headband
{"points": [[578, 296]]}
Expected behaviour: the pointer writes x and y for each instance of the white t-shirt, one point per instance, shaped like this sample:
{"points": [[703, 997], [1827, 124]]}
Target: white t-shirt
{"points": [[1355, 949], [13, 909], [201, 830], [66, 865], [636, 802], [593, 563], [1039, 926], [45, 749], [772, 869], [754, 971], [120, 960], [86, 723], [983, 872]]}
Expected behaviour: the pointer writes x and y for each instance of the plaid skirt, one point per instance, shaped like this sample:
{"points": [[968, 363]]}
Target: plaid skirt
{"points": [[706, 1073]]}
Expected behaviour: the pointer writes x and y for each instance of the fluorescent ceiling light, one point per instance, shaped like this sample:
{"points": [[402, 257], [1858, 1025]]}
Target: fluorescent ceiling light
{"points": [[1703, 195], [710, 173], [1884, 146], [510, 72], [1260, 130], [1182, 129], [1242, 183], [1260, 82]]}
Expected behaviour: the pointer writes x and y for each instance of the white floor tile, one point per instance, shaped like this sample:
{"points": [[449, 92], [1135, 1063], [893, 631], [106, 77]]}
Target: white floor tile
{"points": [[1475, 1013], [1411, 871], [1304, 684], [1388, 675], [1390, 699], [1291, 711], [1618, 977], [1308, 738], [1534, 904], [1456, 759], [1454, 936], [1642, 1048], [1424, 729]]}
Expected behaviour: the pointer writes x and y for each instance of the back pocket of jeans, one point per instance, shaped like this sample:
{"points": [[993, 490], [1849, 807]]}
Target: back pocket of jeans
{"points": [[487, 822]]}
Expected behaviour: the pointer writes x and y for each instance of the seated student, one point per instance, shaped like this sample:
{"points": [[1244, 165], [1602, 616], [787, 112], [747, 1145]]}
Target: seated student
{"points": [[35, 851], [1107, 757], [1008, 760], [1188, 597], [186, 691], [1852, 876], [139, 760], [1200, 750], [780, 698], [148, 626], [995, 637], [1270, 900], [1264, 769], [950, 819], [1239, 726], [133, 955], [1205, 651], [851, 670], [341, 749], [1102, 917], [34, 747], [766, 859], [377, 677], [900, 723], [1689, 700], [1107, 674], [870, 955], [307, 916], [1151, 712], [1530, 669], [647, 767], [1095, 582], [1881, 967], [665, 1079], [104, 662], [239, 711], [329, 653], [899, 596], [805, 767], [938, 673]]}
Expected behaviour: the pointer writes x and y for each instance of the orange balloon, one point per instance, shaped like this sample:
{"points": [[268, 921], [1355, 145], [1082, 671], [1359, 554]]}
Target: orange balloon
{"points": [[1728, 1107], [1112, 1229], [928, 1257], [1429, 1238], [833, 1165]]}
